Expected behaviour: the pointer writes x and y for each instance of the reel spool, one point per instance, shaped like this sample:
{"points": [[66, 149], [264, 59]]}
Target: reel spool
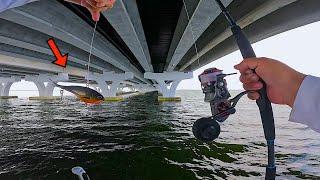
{"points": [[206, 129]]}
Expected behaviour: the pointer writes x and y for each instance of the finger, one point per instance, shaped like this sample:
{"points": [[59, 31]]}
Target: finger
{"points": [[93, 3], [253, 95], [245, 78], [251, 63], [94, 12], [111, 2], [248, 71], [87, 5], [101, 4], [104, 8], [95, 15], [253, 86], [108, 3]]}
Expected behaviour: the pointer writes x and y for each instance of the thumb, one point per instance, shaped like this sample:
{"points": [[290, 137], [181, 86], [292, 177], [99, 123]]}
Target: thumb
{"points": [[251, 63], [95, 16]]}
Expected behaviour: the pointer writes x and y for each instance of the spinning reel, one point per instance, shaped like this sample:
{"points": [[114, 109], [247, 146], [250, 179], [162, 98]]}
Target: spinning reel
{"points": [[214, 86]]}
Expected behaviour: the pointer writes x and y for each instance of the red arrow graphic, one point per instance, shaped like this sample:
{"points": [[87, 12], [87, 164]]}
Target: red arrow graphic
{"points": [[60, 59]]}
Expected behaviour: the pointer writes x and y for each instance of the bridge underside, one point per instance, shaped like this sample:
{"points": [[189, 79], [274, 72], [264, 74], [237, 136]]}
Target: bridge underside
{"points": [[138, 36]]}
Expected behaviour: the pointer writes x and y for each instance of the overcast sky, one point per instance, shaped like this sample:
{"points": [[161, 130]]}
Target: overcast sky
{"points": [[299, 48]]}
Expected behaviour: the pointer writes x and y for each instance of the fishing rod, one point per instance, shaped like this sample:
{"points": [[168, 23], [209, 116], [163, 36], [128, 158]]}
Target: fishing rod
{"points": [[214, 87]]}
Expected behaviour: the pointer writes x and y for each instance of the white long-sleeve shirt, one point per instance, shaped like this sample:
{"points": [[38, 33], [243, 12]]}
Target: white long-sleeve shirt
{"points": [[7, 4], [306, 108]]}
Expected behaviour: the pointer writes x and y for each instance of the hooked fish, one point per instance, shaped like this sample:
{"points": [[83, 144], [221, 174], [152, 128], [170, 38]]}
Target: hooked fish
{"points": [[85, 94]]}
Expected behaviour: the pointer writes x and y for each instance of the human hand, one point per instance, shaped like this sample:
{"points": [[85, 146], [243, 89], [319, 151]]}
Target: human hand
{"points": [[282, 81], [95, 6]]}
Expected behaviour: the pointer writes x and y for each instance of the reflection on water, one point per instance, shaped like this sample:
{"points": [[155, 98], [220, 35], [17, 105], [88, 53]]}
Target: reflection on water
{"points": [[143, 139]]}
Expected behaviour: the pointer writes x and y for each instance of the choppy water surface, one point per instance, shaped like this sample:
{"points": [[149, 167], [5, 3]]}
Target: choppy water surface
{"points": [[143, 139]]}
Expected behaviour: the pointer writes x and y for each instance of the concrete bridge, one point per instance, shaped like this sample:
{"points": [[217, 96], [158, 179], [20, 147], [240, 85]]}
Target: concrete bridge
{"points": [[148, 44]]}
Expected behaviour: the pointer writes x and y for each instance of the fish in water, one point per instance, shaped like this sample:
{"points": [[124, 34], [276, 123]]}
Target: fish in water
{"points": [[85, 94]]}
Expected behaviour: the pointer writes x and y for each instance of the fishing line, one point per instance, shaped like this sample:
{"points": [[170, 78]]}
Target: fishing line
{"points": [[90, 53], [193, 36]]}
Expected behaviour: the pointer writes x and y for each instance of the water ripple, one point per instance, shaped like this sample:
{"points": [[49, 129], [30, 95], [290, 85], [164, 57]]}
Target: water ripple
{"points": [[143, 139]]}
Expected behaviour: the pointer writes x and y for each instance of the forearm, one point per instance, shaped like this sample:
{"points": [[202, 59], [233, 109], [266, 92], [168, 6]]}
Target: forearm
{"points": [[306, 107]]}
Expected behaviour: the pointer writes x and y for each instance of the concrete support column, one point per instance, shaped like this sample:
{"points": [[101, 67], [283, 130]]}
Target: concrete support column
{"points": [[109, 90], [1, 88], [143, 88], [45, 85], [5, 85], [168, 83], [6, 88], [45, 90]]}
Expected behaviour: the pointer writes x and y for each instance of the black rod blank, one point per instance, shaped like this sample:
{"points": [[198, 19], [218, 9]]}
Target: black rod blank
{"points": [[263, 102]]}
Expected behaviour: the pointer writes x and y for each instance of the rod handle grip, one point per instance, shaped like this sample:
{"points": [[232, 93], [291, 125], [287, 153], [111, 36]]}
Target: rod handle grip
{"points": [[263, 102]]}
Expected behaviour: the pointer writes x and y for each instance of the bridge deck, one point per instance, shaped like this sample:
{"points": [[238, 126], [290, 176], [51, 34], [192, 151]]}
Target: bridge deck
{"points": [[138, 36]]}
